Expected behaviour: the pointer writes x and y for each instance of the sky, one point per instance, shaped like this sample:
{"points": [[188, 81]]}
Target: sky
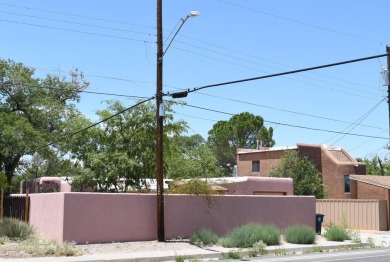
{"points": [[114, 44]]}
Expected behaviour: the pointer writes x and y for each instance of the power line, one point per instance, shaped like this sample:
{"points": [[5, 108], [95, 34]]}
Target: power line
{"points": [[289, 125], [64, 89], [77, 23], [283, 73], [292, 79], [352, 126], [75, 31], [94, 124], [300, 22], [286, 111], [80, 16]]}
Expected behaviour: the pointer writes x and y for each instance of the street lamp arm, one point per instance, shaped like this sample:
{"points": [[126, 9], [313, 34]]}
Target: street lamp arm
{"points": [[183, 20]]}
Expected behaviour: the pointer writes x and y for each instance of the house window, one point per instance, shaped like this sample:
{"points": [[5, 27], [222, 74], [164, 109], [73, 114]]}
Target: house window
{"points": [[256, 166], [347, 184]]}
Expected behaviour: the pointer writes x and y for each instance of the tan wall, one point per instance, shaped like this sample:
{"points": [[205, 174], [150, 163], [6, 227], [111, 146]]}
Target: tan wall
{"points": [[268, 159], [359, 214], [366, 191], [104, 217]]}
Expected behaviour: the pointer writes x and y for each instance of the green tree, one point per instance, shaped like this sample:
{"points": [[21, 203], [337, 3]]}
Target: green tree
{"points": [[193, 159], [240, 131], [122, 151], [307, 180], [376, 166], [33, 112]]}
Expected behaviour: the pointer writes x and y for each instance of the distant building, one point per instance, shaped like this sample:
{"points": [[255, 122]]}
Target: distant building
{"points": [[334, 163]]}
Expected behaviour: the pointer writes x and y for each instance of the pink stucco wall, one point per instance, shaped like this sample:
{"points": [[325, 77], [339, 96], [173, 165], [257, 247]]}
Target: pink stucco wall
{"points": [[47, 214], [186, 214], [99, 217]]}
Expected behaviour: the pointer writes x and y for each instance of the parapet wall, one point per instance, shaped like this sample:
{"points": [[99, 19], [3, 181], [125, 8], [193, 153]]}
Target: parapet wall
{"points": [[104, 217]]}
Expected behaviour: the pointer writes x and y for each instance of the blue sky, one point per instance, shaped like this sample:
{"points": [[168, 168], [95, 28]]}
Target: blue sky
{"points": [[114, 44]]}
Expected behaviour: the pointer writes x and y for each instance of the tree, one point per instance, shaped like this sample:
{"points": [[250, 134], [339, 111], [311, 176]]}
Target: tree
{"points": [[376, 166], [307, 180], [193, 159], [240, 131], [122, 151], [33, 112]]}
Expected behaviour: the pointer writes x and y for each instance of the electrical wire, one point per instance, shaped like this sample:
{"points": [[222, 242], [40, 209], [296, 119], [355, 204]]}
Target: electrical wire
{"points": [[74, 15], [357, 122], [63, 89], [75, 31], [77, 23], [300, 22], [289, 78], [284, 73], [289, 125], [93, 125]]}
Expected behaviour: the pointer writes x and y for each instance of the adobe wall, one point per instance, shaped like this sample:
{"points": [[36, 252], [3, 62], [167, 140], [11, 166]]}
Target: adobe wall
{"points": [[366, 191], [101, 217], [268, 160]]}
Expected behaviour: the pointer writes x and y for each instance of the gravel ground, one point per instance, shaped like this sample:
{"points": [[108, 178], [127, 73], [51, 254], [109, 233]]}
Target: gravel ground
{"points": [[142, 246]]}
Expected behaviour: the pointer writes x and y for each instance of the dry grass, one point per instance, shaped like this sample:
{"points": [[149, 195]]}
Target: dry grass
{"points": [[35, 246]]}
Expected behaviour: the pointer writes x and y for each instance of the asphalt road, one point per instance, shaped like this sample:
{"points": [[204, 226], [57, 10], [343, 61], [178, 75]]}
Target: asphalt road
{"points": [[371, 255]]}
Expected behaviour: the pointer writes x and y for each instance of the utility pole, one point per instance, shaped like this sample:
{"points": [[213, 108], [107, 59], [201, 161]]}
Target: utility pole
{"points": [[388, 86], [159, 128]]}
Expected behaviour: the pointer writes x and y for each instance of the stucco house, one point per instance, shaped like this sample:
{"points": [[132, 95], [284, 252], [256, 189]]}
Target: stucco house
{"points": [[334, 163]]}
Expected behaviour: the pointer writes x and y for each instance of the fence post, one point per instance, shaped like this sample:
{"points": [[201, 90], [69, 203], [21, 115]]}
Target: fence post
{"points": [[26, 211], [2, 204]]}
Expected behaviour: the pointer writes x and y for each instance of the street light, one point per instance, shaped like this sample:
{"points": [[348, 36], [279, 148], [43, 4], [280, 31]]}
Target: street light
{"points": [[160, 118]]}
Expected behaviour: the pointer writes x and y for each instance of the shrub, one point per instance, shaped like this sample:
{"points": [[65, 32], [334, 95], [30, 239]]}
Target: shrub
{"points": [[231, 255], [15, 229], [336, 233], [204, 237], [247, 235], [258, 249], [300, 234]]}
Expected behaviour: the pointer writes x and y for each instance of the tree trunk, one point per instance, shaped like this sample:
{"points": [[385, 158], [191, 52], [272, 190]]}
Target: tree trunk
{"points": [[9, 164]]}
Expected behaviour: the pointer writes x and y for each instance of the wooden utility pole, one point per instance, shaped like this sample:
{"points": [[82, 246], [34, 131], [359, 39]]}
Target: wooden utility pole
{"points": [[159, 127], [388, 87]]}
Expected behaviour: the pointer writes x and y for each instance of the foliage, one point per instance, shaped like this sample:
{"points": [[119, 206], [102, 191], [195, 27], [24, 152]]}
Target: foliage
{"points": [[121, 153], [258, 249], [377, 166], [247, 235], [307, 180], [232, 255], [336, 233], [240, 131], [15, 229], [192, 187], [34, 112], [203, 237], [300, 234], [3, 181], [37, 247], [180, 258], [193, 159]]}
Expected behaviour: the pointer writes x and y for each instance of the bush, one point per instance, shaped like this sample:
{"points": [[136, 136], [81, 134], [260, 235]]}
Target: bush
{"points": [[15, 229], [246, 236], [204, 237], [300, 234], [336, 233]]}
